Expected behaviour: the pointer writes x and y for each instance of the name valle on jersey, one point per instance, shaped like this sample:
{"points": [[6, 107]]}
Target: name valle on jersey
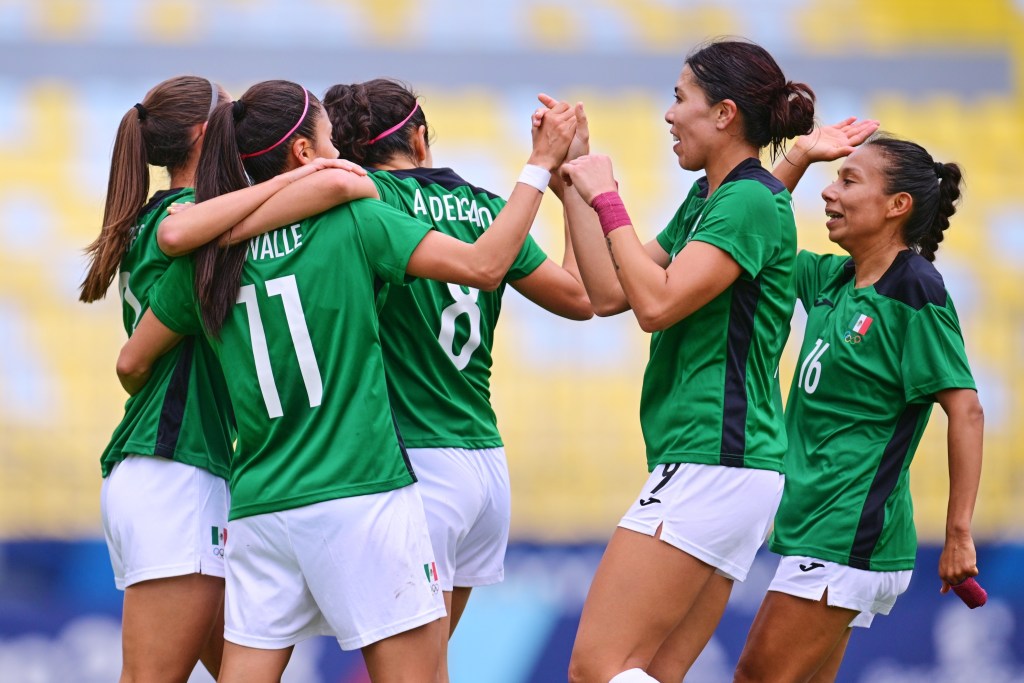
{"points": [[276, 243], [452, 208]]}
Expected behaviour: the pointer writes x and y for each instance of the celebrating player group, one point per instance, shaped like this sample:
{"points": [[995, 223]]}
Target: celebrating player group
{"points": [[309, 446]]}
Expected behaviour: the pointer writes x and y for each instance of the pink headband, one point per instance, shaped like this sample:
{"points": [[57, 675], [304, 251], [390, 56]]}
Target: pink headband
{"points": [[305, 108], [392, 129]]}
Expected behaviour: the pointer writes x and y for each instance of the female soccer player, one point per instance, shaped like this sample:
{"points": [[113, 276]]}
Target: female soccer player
{"points": [[715, 288], [320, 495], [436, 337], [882, 345], [164, 498]]}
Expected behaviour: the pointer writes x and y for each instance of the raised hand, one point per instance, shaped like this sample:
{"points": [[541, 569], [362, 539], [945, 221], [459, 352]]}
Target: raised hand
{"points": [[828, 143], [554, 126]]}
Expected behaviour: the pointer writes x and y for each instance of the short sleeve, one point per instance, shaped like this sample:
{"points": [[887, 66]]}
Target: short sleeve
{"points": [[173, 299], [389, 237], [669, 238], [743, 222], [666, 238], [529, 259], [386, 188], [813, 272], [934, 357]]}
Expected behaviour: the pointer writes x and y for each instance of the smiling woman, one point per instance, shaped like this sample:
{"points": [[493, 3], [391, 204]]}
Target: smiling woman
{"points": [[882, 345], [715, 288]]}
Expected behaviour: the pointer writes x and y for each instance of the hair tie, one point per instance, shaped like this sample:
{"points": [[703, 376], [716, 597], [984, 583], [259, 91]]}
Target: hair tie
{"points": [[143, 112], [305, 108], [392, 129], [939, 168], [238, 110], [213, 98]]}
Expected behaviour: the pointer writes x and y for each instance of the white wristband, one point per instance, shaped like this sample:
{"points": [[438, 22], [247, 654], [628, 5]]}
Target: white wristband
{"points": [[536, 177]]}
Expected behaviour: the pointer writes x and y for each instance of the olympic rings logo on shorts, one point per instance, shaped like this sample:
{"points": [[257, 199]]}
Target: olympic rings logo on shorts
{"points": [[218, 551], [852, 338]]}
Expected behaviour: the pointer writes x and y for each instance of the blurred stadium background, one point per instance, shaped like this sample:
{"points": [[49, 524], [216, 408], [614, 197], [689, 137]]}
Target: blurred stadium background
{"points": [[944, 73]]}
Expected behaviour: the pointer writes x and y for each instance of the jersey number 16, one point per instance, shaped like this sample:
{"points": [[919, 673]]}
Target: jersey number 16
{"points": [[810, 371]]}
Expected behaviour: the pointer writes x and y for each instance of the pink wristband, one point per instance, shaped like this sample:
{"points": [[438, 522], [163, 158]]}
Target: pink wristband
{"points": [[610, 211]]}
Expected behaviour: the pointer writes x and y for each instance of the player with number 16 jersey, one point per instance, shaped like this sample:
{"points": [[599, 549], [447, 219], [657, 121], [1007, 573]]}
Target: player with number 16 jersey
{"points": [[872, 360]]}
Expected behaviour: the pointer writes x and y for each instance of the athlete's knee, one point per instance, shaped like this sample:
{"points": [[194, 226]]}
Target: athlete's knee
{"points": [[746, 672], [582, 671]]}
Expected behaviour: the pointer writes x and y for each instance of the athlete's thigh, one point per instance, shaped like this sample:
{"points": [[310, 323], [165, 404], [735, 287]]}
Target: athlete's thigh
{"points": [[643, 588], [457, 606], [791, 638], [253, 665], [167, 623], [830, 669], [689, 638], [412, 656]]}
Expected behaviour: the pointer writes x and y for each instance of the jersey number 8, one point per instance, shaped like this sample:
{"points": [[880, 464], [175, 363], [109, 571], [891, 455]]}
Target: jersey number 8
{"points": [[465, 304]]}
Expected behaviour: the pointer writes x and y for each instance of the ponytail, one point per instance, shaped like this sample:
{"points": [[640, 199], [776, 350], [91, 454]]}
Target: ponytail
{"points": [[127, 189], [156, 132], [219, 271], [792, 114], [950, 178]]}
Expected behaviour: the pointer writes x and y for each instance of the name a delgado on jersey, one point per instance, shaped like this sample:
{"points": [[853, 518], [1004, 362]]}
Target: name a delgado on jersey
{"points": [[452, 208]]}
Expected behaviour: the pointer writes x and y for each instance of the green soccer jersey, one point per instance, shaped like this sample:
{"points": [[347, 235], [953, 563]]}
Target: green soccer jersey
{"points": [[183, 412], [711, 392], [301, 353], [437, 336], [871, 363]]}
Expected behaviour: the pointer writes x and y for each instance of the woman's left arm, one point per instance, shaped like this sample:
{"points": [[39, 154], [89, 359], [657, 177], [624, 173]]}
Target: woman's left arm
{"points": [[964, 441], [659, 296]]}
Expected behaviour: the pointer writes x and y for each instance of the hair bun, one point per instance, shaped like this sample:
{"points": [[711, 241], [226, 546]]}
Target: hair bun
{"points": [[238, 109]]}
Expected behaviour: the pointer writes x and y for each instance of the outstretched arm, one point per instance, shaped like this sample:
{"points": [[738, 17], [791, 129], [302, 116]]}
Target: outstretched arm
{"points": [[150, 340], [964, 441], [484, 263], [825, 143], [190, 227]]}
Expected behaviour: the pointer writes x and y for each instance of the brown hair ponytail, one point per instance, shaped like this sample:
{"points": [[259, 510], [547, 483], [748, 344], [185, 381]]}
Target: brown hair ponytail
{"points": [[157, 132]]}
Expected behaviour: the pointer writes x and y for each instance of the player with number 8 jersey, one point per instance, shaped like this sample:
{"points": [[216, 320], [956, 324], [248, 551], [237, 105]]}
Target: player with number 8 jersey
{"points": [[441, 391]]}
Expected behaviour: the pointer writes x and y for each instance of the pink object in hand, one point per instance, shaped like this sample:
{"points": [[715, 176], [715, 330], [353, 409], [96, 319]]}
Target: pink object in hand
{"points": [[971, 592]]}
